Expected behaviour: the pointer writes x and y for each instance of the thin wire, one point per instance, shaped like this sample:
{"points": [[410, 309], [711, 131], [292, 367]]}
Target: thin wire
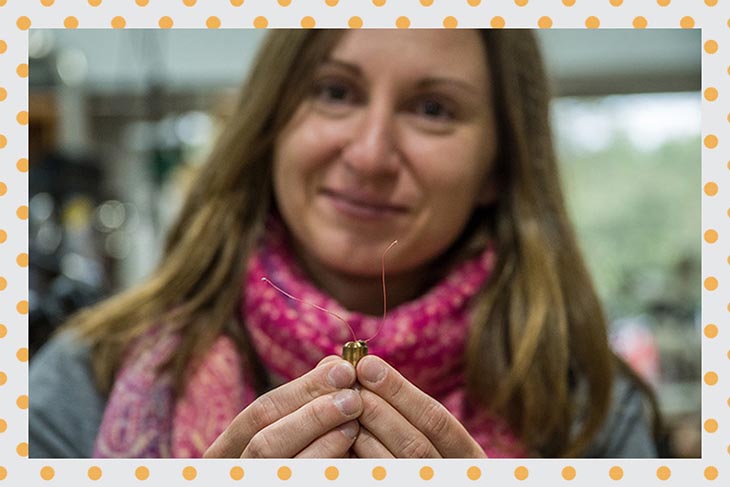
{"points": [[385, 295], [354, 338]]}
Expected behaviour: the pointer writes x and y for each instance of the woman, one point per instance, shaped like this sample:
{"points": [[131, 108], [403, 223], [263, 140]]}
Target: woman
{"points": [[495, 343]]}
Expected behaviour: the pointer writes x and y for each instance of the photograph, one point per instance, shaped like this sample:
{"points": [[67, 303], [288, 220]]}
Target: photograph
{"points": [[365, 243]]}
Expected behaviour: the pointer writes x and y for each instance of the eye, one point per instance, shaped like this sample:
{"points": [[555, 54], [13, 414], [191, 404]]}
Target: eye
{"points": [[333, 91], [434, 109]]}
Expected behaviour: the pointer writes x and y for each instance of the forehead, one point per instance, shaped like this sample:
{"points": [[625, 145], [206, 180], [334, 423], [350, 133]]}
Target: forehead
{"points": [[437, 51]]}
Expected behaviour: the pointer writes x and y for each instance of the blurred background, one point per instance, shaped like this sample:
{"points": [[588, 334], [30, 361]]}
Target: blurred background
{"points": [[120, 119]]}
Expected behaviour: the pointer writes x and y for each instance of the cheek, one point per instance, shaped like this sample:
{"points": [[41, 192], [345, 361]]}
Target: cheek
{"points": [[296, 156], [308, 142], [303, 156], [454, 175]]}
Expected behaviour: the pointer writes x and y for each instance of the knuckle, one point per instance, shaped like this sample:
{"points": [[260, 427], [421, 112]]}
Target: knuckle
{"points": [[319, 415], [332, 445], [314, 384], [365, 444], [416, 447], [436, 418], [263, 411], [396, 386], [372, 409], [260, 446]]}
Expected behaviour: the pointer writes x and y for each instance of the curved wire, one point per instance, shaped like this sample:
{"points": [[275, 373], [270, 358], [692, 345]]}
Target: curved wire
{"points": [[352, 332], [354, 338], [385, 295]]}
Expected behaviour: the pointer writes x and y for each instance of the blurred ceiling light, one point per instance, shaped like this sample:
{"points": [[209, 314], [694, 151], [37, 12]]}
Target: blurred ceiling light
{"points": [[80, 268], [72, 66], [40, 43], [194, 128], [48, 238], [117, 245], [111, 214], [41, 207]]}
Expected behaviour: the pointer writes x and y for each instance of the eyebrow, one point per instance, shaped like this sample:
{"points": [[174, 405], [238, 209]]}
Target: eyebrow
{"points": [[459, 83], [423, 83]]}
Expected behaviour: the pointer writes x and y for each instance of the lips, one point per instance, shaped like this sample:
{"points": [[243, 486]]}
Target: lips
{"points": [[354, 204]]}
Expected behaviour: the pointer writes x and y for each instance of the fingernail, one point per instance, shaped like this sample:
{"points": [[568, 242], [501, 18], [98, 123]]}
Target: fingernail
{"points": [[347, 401], [372, 370], [350, 429], [341, 375]]}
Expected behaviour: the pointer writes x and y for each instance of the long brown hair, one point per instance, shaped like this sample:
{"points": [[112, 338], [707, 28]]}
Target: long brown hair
{"points": [[538, 353], [541, 323]]}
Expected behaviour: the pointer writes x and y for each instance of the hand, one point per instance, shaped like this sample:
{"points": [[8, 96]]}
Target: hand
{"points": [[312, 416], [399, 420]]}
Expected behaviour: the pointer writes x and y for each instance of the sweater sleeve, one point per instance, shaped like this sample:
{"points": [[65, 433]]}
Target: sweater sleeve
{"points": [[65, 406], [627, 430]]}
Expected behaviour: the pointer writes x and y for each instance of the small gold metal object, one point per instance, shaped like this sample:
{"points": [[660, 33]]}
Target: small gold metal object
{"points": [[354, 351]]}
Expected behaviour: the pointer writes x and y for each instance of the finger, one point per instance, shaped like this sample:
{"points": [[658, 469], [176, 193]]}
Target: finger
{"points": [[426, 414], [368, 446], [394, 431], [328, 377], [334, 444], [291, 434]]}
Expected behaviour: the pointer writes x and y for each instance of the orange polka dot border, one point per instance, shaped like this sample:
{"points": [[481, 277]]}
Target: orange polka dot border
{"points": [[18, 18]]}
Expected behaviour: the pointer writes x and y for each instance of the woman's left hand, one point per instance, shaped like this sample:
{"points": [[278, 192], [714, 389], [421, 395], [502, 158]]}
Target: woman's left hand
{"points": [[399, 420]]}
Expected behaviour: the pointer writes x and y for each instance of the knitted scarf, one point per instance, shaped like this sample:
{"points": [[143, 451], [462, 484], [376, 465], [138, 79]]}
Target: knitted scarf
{"points": [[424, 339]]}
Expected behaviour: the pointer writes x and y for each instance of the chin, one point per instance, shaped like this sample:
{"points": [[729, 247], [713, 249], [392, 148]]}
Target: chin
{"points": [[358, 253], [363, 264], [366, 263]]}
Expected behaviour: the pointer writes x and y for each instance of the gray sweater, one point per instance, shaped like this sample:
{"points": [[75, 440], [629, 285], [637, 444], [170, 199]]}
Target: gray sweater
{"points": [[66, 409]]}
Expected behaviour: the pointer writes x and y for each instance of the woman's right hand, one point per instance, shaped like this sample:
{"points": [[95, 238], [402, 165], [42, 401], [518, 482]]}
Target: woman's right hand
{"points": [[312, 416]]}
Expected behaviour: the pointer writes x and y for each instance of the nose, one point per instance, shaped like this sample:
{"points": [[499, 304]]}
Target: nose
{"points": [[372, 150]]}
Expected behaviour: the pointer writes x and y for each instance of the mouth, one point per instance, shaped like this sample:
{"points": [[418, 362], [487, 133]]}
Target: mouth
{"points": [[362, 207]]}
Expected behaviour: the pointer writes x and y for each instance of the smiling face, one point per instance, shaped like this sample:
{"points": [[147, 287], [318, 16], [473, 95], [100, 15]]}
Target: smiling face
{"points": [[396, 140]]}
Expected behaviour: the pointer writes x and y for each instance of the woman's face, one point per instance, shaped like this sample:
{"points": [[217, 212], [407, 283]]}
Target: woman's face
{"points": [[396, 140]]}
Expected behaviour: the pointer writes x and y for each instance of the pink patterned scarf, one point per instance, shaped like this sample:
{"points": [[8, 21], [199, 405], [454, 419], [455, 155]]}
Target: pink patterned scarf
{"points": [[424, 339]]}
